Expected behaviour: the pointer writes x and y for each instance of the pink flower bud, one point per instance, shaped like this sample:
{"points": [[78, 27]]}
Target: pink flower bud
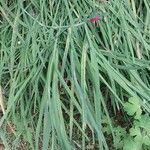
{"points": [[94, 19]]}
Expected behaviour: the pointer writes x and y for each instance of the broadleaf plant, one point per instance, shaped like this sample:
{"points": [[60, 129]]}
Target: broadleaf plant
{"points": [[132, 107], [137, 136]]}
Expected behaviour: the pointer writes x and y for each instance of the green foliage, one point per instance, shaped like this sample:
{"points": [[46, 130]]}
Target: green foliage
{"points": [[129, 144], [132, 107], [62, 74], [137, 136], [119, 136]]}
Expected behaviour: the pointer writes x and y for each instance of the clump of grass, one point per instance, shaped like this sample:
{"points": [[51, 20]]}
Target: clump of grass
{"points": [[62, 74]]}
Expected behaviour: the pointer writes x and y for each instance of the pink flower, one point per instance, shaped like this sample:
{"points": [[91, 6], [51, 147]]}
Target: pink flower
{"points": [[94, 19]]}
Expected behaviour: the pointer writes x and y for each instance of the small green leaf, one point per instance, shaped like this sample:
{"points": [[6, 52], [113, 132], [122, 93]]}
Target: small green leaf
{"points": [[132, 107], [129, 144], [119, 131], [119, 136], [144, 122], [118, 143], [135, 131], [107, 130], [147, 140]]}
